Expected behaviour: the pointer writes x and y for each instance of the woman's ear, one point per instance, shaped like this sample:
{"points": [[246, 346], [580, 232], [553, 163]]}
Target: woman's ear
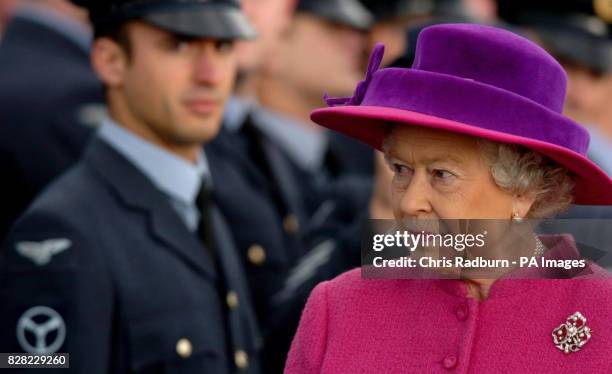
{"points": [[521, 204], [109, 61]]}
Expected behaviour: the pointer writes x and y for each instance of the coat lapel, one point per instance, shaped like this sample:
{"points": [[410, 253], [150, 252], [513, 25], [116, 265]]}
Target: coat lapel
{"points": [[228, 145], [284, 177], [138, 193], [284, 183]]}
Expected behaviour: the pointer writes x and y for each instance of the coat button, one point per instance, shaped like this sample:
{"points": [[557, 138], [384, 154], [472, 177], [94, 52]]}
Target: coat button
{"points": [[256, 254], [232, 299], [291, 224], [184, 348], [449, 362], [462, 312], [241, 359]]}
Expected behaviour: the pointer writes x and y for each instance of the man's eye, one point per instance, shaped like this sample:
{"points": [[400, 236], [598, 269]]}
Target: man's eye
{"points": [[225, 46], [176, 45]]}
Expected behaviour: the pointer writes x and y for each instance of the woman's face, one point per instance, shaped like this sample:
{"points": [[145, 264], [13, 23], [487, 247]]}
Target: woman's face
{"points": [[441, 175]]}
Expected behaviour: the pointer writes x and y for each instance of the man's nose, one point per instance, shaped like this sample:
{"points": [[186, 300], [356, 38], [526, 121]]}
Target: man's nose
{"points": [[208, 64]]}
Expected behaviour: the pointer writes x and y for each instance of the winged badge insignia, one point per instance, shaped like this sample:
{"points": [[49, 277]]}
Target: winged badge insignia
{"points": [[41, 253]]}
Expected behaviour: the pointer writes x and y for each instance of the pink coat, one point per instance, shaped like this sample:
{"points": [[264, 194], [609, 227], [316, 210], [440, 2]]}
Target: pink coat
{"points": [[355, 325]]}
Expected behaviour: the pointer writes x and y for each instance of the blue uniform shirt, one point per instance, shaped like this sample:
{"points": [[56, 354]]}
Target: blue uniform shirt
{"points": [[178, 179]]}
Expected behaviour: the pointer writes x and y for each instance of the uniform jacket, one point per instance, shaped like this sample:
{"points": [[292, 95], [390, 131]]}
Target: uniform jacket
{"points": [[137, 291], [355, 325], [283, 263], [49, 98]]}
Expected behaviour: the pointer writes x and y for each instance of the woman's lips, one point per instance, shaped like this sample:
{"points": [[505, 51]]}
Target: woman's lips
{"points": [[202, 106]]}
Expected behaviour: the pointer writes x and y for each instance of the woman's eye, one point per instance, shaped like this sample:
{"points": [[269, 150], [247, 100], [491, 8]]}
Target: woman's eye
{"points": [[402, 172], [400, 169], [442, 174]]}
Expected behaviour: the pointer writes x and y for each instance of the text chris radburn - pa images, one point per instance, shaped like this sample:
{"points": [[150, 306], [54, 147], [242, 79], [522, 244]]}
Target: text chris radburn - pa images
{"points": [[458, 242]]}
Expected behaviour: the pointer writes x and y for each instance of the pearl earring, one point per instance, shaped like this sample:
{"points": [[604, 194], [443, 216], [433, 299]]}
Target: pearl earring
{"points": [[516, 218]]}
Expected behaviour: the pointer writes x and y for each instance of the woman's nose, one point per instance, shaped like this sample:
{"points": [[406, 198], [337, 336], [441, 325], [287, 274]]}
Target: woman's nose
{"points": [[415, 199]]}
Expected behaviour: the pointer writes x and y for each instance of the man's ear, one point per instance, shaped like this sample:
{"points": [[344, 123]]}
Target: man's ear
{"points": [[109, 61]]}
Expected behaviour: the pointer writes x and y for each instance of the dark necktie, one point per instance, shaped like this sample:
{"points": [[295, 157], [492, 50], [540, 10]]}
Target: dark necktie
{"points": [[205, 225], [205, 204]]}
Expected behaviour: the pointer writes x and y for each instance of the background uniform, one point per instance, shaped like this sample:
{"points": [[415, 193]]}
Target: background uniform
{"points": [[284, 261], [136, 290], [49, 101]]}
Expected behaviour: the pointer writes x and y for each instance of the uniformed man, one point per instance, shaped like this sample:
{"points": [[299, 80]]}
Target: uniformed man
{"points": [[397, 22], [295, 161], [125, 262], [264, 200], [321, 51], [49, 102], [391, 20], [579, 34]]}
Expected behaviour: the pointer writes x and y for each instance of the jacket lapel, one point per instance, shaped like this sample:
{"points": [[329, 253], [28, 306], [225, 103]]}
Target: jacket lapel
{"points": [[284, 177], [284, 183], [138, 193], [227, 145]]}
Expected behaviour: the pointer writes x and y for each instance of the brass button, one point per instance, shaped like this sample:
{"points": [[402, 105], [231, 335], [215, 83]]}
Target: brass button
{"points": [[241, 359], [232, 299], [256, 254], [291, 224], [184, 348]]}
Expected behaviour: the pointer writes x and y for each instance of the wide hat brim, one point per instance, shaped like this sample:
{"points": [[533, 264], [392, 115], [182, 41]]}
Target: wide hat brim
{"points": [[206, 21], [370, 125], [479, 81]]}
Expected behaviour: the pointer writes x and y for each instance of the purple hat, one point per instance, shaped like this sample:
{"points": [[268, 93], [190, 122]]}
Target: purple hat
{"points": [[475, 80]]}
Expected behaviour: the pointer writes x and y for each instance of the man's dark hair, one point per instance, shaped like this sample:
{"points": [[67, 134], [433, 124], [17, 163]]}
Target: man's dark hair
{"points": [[117, 32], [105, 26]]}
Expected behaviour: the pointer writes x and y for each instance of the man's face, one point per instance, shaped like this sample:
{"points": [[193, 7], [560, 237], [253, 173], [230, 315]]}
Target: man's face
{"points": [[588, 97], [322, 56], [270, 19], [171, 90], [6, 7]]}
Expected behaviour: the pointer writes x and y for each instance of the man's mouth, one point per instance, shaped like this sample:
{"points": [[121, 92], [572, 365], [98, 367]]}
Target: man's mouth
{"points": [[202, 106]]}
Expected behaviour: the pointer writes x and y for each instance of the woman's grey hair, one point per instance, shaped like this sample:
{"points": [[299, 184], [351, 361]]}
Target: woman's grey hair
{"points": [[519, 171]]}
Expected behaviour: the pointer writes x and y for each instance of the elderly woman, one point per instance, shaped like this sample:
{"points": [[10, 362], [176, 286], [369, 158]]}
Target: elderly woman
{"points": [[473, 131]]}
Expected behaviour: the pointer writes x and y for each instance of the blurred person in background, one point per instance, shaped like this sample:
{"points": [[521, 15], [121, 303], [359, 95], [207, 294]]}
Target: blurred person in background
{"points": [[6, 7], [394, 18], [322, 48], [288, 235], [50, 99], [398, 22], [271, 19], [579, 34], [125, 262], [484, 11], [391, 20]]}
